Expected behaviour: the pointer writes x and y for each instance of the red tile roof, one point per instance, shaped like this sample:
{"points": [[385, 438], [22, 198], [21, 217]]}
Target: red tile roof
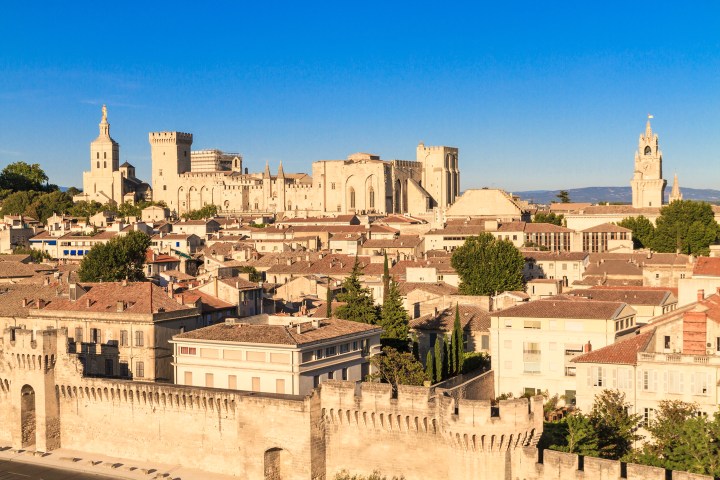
{"points": [[622, 352], [565, 308], [709, 266]]}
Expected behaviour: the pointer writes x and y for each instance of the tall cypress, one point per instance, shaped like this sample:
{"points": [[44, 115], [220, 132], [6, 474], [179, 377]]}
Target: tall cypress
{"points": [[429, 367], [394, 317], [329, 298], [446, 357], [386, 278], [457, 343], [439, 354], [359, 305]]}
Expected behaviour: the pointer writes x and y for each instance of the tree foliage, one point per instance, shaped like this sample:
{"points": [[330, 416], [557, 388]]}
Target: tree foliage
{"points": [[457, 348], [685, 226], [393, 316], [376, 475], [359, 305], [120, 258], [608, 431], [439, 360], [253, 274], [563, 196], [86, 209], [643, 230], [21, 176], [549, 218], [208, 211], [397, 368], [487, 265]]}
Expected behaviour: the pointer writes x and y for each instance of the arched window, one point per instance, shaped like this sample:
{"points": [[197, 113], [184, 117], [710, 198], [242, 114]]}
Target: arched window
{"points": [[104, 155], [104, 164], [289, 205], [371, 196], [648, 150], [352, 197], [98, 155], [98, 163]]}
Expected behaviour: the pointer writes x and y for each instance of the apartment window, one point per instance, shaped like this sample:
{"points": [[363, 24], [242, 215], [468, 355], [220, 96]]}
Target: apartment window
{"points": [[355, 344], [307, 357], [188, 351], [674, 382], [139, 339], [255, 384], [124, 338], [78, 334], [649, 380], [209, 380], [109, 367], [717, 344], [95, 336], [344, 373], [232, 382], [279, 385], [624, 379], [318, 354], [331, 375], [531, 357], [648, 416], [534, 324], [667, 342], [597, 377], [508, 323], [188, 378], [332, 186], [699, 383], [485, 342], [140, 369], [316, 381], [330, 351], [344, 348]]}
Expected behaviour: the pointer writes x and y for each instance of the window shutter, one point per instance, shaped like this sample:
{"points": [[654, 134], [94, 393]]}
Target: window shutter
{"points": [[590, 374], [665, 382], [693, 388], [613, 381], [681, 387], [655, 380], [630, 378]]}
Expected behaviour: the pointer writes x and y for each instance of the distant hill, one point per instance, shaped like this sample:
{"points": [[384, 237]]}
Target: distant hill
{"points": [[612, 195]]}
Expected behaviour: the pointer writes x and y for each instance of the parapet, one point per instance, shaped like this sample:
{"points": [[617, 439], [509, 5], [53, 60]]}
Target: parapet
{"points": [[158, 138]]}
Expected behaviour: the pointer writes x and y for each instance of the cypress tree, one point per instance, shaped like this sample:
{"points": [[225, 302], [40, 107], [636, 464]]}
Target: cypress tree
{"points": [[439, 354], [446, 357], [386, 278], [394, 317], [429, 364], [359, 302], [457, 346], [329, 298]]}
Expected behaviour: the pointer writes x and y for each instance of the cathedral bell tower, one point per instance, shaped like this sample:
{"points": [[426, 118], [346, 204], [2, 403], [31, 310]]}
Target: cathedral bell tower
{"points": [[648, 185]]}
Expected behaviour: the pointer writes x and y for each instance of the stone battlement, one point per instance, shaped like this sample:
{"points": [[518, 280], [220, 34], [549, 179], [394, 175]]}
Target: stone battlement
{"points": [[170, 137]]}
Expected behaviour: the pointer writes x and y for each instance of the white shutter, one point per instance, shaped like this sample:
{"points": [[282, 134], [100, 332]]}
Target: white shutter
{"points": [[640, 378], [693, 387], [630, 378], [681, 387], [590, 374], [613, 381], [665, 382], [655, 380]]}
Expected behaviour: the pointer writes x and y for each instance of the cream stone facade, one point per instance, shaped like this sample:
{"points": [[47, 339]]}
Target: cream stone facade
{"points": [[108, 181], [648, 185], [361, 184]]}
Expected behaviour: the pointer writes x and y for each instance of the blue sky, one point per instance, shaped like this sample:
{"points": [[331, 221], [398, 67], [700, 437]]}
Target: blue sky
{"points": [[537, 95]]}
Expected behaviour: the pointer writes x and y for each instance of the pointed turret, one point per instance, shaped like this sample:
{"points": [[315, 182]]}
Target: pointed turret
{"points": [[281, 172], [675, 194], [266, 173], [648, 129]]}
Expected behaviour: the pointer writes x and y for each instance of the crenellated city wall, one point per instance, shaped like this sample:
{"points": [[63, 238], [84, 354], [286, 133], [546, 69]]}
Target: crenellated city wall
{"points": [[421, 433]]}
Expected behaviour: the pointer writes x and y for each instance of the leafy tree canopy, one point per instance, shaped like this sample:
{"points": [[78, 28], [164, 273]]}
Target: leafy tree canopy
{"points": [[208, 211], [487, 265], [550, 217], [120, 258], [254, 275], [359, 306], [685, 226], [643, 230], [397, 368], [21, 176]]}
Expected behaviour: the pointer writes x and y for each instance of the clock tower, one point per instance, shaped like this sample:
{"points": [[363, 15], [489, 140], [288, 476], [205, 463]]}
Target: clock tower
{"points": [[648, 185]]}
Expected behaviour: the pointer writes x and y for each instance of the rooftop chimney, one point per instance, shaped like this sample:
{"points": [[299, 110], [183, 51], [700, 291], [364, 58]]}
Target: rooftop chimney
{"points": [[700, 295], [588, 347], [25, 302], [40, 303]]}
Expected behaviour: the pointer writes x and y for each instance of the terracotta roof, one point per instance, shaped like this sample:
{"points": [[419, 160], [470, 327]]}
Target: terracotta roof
{"points": [[614, 267], [138, 297], [539, 256], [13, 294], [458, 230], [403, 241], [330, 328], [471, 318], [608, 227], [18, 257], [151, 257], [647, 258], [568, 207], [19, 269], [629, 296], [622, 352], [581, 309], [439, 288], [545, 228], [208, 302], [619, 210], [239, 283], [709, 266], [400, 219]]}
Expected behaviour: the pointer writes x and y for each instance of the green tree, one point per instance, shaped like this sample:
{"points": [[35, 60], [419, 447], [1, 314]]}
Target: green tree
{"points": [[21, 176], [685, 226], [359, 305], [394, 317], [429, 367], [446, 358], [208, 211], [72, 191], [396, 368], [253, 274], [439, 355], [385, 278], [48, 204], [120, 258], [615, 426], [581, 437], [487, 265], [329, 298], [17, 203], [549, 218], [457, 345], [563, 196], [85, 209], [642, 230]]}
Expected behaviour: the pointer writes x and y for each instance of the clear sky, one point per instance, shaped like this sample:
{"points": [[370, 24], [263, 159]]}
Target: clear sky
{"points": [[536, 95]]}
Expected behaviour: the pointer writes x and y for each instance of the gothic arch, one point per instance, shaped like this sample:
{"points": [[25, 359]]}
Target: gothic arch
{"points": [[648, 150], [28, 422], [371, 194]]}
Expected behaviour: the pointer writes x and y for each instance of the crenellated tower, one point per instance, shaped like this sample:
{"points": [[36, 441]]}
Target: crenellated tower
{"points": [[170, 156], [648, 185]]}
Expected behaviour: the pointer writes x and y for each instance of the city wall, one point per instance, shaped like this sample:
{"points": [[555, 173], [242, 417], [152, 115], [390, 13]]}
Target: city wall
{"points": [[421, 433]]}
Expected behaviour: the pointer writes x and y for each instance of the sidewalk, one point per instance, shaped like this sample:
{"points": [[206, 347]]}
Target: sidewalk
{"points": [[105, 465]]}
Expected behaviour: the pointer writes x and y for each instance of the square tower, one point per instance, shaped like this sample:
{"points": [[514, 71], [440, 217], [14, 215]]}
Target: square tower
{"points": [[170, 157], [648, 186], [440, 173]]}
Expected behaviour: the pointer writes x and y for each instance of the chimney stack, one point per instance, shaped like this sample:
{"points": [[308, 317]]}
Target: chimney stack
{"points": [[588, 347], [700, 295], [88, 302]]}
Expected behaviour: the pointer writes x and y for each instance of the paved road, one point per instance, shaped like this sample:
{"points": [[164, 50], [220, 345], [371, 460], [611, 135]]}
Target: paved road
{"points": [[14, 470]]}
